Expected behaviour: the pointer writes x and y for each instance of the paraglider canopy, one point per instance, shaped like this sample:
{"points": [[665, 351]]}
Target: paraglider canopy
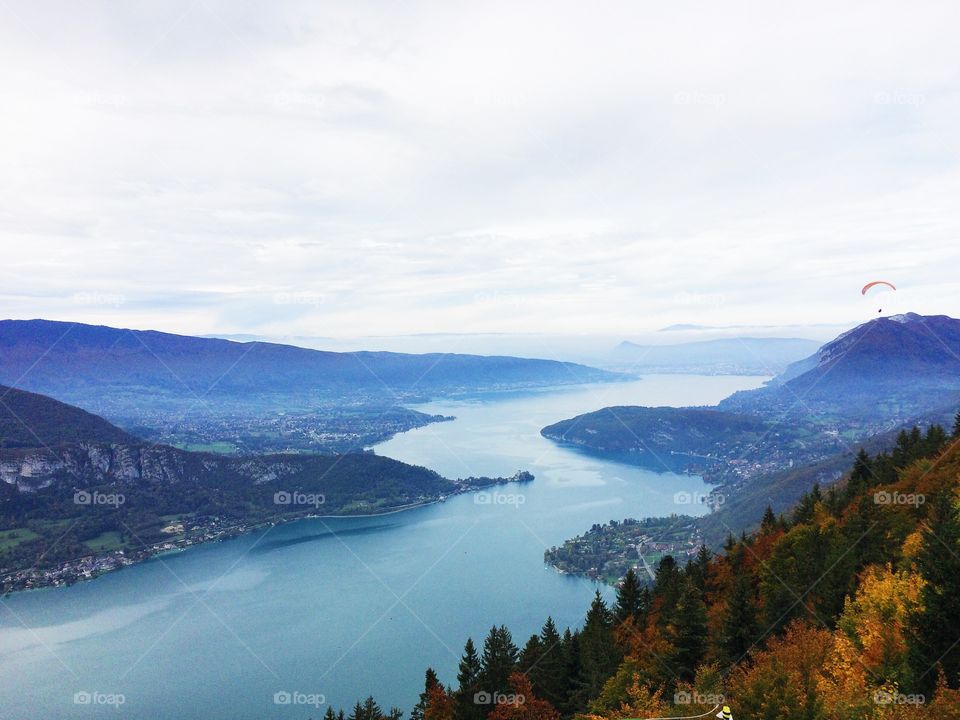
{"points": [[876, 282]]}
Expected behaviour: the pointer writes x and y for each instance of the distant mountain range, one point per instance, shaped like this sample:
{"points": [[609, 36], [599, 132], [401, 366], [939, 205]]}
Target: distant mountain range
{"points": [[120, 372], [771, 444], [742, 355]]}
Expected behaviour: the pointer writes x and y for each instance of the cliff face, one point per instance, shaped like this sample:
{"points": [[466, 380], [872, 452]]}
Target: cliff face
{"points": [[87, 464]]}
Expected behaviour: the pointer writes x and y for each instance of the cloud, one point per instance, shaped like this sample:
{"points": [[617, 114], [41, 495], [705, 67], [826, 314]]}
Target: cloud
{"points": [[440, 167]]}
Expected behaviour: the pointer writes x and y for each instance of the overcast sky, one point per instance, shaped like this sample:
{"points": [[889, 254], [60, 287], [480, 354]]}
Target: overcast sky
{"points": [[358, 168]]}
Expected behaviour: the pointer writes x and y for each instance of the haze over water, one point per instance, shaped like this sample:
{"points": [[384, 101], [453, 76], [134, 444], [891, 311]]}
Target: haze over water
{"points": [[300, 609]]}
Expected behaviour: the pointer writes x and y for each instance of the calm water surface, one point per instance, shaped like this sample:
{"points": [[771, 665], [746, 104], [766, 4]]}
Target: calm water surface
{"points": [[348, 607]]}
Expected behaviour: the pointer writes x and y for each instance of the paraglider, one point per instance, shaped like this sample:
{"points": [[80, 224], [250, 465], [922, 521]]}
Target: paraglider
{"points": [[874, 283]]}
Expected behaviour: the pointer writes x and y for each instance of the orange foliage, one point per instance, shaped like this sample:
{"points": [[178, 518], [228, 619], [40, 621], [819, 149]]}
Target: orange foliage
{"points": [[521, 704]]}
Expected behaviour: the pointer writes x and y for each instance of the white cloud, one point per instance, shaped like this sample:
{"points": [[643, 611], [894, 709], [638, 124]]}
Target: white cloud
{"points": [[454, 167]]}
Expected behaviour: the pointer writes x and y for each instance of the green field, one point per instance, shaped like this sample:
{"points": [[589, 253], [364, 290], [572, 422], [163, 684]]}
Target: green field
{"points": [[12, 538], [105, 542]]}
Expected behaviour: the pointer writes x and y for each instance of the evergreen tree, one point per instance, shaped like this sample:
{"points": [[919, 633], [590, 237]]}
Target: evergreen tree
{"points": [[934, 626], [530, 655], [329, 714], [571, 661], [688, 631], [629, 598], [599, 655], [499, 660], [468, 679], [769, 521], [549, 676], [739, 629], [430, 682], [956, 426], [667, 587]]}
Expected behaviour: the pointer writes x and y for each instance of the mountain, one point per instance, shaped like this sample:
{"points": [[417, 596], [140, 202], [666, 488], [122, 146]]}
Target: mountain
{"points": [[662, 438], [28, 420], [121, 372], [900, 367], [745, 355]]}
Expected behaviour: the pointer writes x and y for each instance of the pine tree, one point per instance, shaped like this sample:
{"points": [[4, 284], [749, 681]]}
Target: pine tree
{"points": [[599, 655], [629, 597], [667, 587], [688, 630], [499, 660], [329, 714], [571, 662], [530, 655], [934, 626], [468, 679], [956, 425], [548, 676], [739, 628], [430, 682]]}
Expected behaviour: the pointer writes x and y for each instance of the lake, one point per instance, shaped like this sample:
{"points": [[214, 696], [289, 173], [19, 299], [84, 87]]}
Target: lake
{"points": [[341, 608]]}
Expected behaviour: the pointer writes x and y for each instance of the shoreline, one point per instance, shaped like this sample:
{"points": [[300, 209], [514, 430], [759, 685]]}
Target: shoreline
{"points": [[90, 567]]}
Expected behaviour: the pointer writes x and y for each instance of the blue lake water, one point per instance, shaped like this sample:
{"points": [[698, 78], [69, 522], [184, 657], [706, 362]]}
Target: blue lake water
{"points": [[346, 607]]}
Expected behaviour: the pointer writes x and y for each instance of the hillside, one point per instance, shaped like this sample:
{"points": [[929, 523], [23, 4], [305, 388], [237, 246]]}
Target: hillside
{"points": [[896, 368], [29, 420], [662, 437], [127, 373]]}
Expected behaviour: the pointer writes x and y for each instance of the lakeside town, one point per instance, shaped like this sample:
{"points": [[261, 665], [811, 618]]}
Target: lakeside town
{"points": [[605, 552]]}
